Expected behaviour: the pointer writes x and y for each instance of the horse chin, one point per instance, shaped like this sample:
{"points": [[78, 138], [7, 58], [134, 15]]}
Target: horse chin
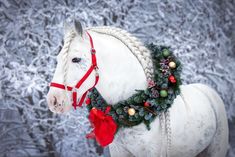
{"points": [[60, 110]]}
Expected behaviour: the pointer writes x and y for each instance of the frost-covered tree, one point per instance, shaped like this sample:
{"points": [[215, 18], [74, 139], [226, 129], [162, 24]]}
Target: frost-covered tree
{"points": [[201, 33]]}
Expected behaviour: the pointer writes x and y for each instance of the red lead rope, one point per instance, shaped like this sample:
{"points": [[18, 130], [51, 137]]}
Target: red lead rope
{"points": [[80, 82]]}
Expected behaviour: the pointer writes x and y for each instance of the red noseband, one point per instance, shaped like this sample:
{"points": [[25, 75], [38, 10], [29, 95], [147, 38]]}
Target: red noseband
{"points": [[80, 82]]}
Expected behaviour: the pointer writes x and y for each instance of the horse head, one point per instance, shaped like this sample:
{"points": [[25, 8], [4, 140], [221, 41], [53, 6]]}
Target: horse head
{"points": [[73, 62]]}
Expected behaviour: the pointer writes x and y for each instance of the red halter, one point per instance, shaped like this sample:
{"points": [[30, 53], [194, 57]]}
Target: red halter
{"points": [[80, 82]]}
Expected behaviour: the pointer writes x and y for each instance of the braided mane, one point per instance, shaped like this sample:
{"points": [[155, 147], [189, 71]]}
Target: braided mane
{"points": [[136, 47]]}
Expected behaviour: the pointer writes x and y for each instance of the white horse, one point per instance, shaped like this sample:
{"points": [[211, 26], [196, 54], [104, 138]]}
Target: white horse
{"points": [[195, 125]]}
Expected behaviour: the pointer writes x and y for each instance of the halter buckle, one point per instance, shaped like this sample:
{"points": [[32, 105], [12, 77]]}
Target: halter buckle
{"points": [[74, 90]]}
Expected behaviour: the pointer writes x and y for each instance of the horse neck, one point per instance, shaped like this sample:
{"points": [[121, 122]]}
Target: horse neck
{"points": [[120, 72]]}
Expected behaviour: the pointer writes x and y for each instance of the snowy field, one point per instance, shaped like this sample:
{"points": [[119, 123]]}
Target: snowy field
{"points": [[201, 33]]}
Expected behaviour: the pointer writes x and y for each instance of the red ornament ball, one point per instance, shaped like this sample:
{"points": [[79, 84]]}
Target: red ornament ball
{"points": [[172, 79], [88, 101], [146, 104]]}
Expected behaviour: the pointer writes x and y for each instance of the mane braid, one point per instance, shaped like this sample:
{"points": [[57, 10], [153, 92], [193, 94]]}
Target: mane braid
{"points": [[67, 43], [65, 50], [136, 47]]}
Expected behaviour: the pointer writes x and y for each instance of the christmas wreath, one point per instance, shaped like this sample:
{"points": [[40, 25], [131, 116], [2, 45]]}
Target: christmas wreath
{"points": [[143, 106]]}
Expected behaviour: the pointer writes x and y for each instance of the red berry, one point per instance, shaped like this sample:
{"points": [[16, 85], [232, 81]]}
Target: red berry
{"points": [[172, 79], [88, 101], [146, 104]]}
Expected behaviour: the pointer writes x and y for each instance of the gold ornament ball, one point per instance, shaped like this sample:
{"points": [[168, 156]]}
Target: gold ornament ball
{"points": [[172, 65], [131, 111]]}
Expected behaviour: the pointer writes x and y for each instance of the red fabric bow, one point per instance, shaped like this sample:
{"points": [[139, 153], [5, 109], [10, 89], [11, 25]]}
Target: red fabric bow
{"points": [[104, 126]]}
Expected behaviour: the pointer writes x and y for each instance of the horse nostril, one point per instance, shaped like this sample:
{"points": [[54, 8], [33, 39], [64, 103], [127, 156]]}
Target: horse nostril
{"points": [[55, 101]]}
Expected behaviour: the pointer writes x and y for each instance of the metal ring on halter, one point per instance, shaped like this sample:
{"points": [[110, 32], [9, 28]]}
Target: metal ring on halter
{"points": [[96, 71], [93, 51], [74, 89]]}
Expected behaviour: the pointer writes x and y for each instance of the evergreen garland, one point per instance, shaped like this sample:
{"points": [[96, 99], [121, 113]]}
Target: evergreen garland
{"points": [[146, 104]]}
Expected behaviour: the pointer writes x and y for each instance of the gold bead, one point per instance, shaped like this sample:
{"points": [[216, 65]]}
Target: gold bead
{"points": [[131, 111], [172, 65]]}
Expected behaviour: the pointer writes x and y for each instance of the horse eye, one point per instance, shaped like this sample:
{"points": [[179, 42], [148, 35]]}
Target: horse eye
{"points": [[76, 60]]}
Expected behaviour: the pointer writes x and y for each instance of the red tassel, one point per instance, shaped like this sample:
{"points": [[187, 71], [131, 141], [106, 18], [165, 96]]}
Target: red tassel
{"points": [[104, 126]]}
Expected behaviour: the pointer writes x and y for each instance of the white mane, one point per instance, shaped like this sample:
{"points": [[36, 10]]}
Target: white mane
{"points": [[64, 52]]}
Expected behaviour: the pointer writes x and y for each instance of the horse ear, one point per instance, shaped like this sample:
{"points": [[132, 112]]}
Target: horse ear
{"points": [[78, 27]]}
